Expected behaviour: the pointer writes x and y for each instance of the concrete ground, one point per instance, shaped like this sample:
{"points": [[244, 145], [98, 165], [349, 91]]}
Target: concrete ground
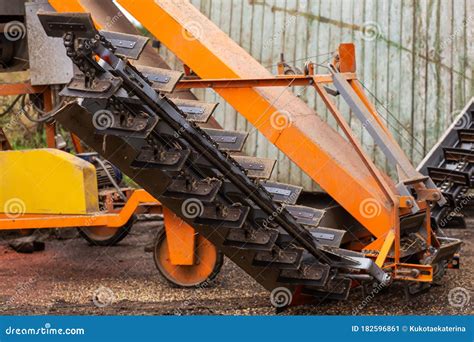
{"points": [[71, 277]]}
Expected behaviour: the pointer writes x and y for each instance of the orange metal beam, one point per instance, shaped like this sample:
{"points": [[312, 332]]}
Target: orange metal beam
{"points": [[77, 143], [67, 5], [347, 61], [109, 220], [9, 89], [181, 239], [50, 128], [279, 81], [388, 243], [348, 132]]}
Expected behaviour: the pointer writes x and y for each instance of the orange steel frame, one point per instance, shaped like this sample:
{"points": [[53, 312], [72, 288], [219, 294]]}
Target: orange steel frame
{"points": [[100, 219], [385, 242], [167, 21]]}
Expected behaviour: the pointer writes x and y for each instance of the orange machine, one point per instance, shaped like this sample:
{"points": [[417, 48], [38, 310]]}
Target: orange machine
{"points": [[366, 227]]}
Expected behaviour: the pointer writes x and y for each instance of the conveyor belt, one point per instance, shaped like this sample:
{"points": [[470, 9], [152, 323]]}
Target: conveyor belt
{"points": [[450, 165]]}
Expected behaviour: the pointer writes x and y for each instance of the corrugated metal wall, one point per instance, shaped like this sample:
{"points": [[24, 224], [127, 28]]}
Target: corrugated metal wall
{"points": [[414, 56]]}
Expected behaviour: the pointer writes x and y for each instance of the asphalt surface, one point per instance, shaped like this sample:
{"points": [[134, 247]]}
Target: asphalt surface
{"points": [[72, 277]]}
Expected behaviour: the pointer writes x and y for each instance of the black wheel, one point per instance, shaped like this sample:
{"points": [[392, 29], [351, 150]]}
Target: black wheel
{"points": [[104, 236], [208, 263]]}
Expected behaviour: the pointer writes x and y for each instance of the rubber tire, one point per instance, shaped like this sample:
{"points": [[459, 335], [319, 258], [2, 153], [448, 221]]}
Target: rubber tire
{"points": [[119, 235], [160, 239]]}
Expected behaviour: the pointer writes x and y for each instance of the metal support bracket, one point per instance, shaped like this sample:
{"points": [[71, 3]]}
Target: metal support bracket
{"points": [[406, 171]]}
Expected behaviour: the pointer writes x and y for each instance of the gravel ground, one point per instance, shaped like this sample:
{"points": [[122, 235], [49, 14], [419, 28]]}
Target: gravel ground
{"points": [[64, 278]]}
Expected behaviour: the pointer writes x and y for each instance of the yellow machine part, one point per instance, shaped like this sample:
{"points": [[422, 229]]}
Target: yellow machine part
{"points": [[46, 181]]}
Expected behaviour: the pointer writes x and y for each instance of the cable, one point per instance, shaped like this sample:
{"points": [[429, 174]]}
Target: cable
{"points": [[322, 64], [52, 112], [47, 115], [302, 59], [391, 114], [396, 120]]}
